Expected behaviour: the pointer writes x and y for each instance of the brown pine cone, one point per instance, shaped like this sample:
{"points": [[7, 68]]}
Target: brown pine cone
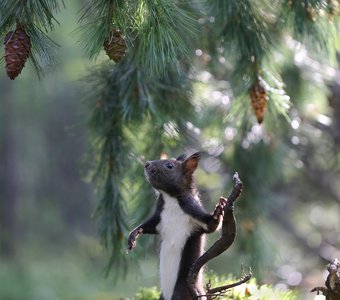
{"points": [[115, 46], [17, 49], [258, 98]]}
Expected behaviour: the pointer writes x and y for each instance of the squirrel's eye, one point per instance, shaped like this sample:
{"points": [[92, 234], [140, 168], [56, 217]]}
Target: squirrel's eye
{"points": [[169, 165]]}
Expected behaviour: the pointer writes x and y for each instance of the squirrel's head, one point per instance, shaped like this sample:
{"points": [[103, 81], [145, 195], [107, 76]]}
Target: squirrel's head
{"points": [[172, 176]]}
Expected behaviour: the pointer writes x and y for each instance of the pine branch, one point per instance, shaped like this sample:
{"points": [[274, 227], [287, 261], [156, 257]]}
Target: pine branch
{"points": [[156, 30], [43, 49], [307, 20], [247, 34], [251, 33], [97, 19], [126, 106], [38, 12], [162, 27]]}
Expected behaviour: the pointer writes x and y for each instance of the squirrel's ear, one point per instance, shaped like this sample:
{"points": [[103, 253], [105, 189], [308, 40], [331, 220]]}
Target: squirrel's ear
{"points": [[190, 164], [181, 157]]}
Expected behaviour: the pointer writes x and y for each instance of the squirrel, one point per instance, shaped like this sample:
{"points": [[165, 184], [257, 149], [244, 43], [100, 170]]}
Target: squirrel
{"points": [[181, 221]]}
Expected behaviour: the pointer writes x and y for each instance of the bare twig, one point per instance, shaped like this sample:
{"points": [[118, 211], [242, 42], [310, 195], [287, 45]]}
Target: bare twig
{"points": [[227, 236], [221, 290]]}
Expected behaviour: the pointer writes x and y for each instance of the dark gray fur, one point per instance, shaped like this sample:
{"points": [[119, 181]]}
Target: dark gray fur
{"points": [[175, 177]]}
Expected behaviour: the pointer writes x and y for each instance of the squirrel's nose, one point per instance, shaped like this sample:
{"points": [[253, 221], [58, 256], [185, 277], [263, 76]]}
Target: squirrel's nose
{"points": [[147, 164]]}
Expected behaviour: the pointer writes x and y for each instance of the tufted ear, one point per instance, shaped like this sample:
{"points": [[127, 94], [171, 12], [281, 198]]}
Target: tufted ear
{"points": [[191, 163], [182, 157]]}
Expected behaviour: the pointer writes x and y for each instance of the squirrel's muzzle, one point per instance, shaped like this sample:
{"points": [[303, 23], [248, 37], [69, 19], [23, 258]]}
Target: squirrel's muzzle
{"points": [[149, 168]]}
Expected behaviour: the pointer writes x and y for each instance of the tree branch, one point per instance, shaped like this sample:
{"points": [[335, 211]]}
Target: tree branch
{"points": [[227, 237], [219, 291]]}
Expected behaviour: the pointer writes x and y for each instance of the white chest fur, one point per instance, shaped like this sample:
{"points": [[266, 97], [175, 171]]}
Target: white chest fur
{"points": [[175, 228]]}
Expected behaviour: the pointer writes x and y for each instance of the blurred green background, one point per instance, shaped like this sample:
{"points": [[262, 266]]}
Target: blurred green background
{"points": [[49, 246]]}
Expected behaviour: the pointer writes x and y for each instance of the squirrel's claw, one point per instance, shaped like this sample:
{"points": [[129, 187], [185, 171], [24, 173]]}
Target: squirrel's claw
{"points": [[133, 237], [219, 209]]}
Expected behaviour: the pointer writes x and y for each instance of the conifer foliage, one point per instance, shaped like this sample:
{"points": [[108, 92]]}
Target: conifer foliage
{"points": [[160, 51], [147, 88]]}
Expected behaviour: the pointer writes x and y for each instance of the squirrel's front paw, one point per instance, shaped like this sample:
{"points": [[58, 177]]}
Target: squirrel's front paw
{"points": [[133, 237], [219, 209]]}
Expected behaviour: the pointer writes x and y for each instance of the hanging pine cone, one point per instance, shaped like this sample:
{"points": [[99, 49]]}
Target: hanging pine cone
{"points": [[258, 98], [17, 49], [115, 46]]}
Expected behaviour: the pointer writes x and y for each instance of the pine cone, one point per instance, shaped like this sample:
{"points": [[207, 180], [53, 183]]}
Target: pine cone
{"points": [[258, 98], [115, 46], [17, 49]]}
